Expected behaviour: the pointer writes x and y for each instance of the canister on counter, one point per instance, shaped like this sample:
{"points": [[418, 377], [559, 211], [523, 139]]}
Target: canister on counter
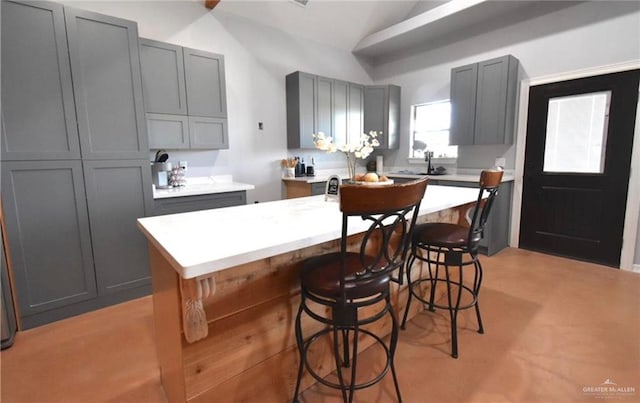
{"points": [[379, 165]]}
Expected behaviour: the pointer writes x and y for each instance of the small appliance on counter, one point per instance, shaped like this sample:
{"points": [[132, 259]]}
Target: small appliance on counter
{"points": [[311, 168], [161, 170], [160, 173], [176, 177]]}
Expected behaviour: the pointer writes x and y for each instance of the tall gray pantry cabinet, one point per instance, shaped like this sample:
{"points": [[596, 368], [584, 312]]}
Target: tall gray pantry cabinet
{"points": [[75, 170]]}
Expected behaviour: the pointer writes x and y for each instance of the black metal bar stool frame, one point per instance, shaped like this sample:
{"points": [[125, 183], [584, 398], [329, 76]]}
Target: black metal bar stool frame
{"points": [[452, 246], [343, 283]]}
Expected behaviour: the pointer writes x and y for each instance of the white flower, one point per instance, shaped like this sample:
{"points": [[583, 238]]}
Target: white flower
{"points": [[360, 149], [323, 143]]}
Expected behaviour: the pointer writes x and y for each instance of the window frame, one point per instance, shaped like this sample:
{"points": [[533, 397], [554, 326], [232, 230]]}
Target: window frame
{"points": [[419, 160]]}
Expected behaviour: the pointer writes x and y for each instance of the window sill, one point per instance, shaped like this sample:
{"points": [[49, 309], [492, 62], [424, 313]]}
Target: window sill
{"points": [[421, 161]]}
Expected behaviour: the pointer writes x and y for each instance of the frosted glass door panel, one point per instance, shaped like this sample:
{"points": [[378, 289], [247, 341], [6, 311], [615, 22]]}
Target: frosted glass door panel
{"points": [[576, 137]]}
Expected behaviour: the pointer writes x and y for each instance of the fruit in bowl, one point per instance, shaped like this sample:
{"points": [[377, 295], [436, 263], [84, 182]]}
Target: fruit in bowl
{"points": [[371, 177]]}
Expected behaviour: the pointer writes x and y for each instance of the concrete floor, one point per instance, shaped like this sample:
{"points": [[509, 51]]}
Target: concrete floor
{"points": [[556, 330]]}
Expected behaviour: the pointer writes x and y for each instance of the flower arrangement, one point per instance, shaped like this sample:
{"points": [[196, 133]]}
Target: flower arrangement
{"points": [[360, 149]]}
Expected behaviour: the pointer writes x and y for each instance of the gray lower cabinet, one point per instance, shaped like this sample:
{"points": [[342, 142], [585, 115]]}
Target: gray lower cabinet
{"points": [[382, 114], [185, 204], [48, 235], [496, 234], [74, 243], [107, 85], [118, 193], [163, 82], [38, 112], [483, 102], [318, 188]]}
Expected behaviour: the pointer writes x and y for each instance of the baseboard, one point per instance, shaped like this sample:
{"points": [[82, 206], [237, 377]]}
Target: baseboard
{"points": [[635, 268]]}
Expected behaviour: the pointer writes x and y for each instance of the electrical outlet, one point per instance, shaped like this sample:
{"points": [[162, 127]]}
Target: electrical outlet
{"points": [[500, 162], [183, 164]]}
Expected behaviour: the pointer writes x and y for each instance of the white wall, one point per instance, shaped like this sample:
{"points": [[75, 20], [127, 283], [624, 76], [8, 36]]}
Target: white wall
{"points": [[584, 36], [257, 59]]}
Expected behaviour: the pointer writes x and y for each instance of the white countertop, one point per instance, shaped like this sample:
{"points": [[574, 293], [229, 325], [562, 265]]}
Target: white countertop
{"points": [[318, 177], [202, 242], [462, 177], [457, 177], [203, 185]]}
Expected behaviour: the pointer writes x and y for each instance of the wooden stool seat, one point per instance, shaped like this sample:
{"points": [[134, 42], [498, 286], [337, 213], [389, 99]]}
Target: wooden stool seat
{"points": [[445, 235], [444, 245], [321, 276], [348, 290]]}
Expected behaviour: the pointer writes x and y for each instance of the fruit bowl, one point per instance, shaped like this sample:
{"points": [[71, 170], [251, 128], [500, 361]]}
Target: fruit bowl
{"points": [[365, 183]]}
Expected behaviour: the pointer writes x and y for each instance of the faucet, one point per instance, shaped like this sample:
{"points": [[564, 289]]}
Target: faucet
{"points": [[427, 157]]}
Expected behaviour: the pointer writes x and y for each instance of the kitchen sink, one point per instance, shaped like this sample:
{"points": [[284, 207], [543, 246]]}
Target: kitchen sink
{"points": [[419, 173]]}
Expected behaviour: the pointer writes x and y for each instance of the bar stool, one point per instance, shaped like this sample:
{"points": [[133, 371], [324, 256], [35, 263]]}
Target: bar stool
{"points": [[452, 245], [357, 278]]}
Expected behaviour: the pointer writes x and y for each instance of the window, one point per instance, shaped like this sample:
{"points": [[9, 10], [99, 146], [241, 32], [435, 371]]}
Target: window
{"points": [[576, 139], [430, 130]]}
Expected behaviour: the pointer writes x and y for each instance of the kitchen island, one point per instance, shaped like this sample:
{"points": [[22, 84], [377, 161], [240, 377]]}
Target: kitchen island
{"points": [[225, 291]]}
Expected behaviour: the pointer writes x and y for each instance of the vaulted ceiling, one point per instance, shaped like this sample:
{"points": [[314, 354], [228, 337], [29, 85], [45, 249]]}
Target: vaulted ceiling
{"points": [[340, 23], [383, 29]]}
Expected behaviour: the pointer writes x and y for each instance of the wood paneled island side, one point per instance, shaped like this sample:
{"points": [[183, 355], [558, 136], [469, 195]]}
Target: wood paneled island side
{"points": [[225, 292]]}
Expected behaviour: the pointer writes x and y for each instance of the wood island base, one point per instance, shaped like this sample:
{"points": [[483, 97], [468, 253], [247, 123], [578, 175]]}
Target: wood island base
{"points": [[249, 349]]}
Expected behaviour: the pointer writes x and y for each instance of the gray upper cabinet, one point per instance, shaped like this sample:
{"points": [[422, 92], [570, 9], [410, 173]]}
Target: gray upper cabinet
{"points": [[382, 114], [206, 87], [185, 97], [340, 111], [355, 117], [301, 109], [496, 100], [107, 85], [48, 234], [38, 115], [119, 249], [163, 81], [483, 102], [168, 131], [324, 106], [208, 133], [463, 104]]}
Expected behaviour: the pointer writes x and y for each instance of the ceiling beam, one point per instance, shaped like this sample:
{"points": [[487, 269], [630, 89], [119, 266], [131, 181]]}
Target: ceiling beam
{"points": [[210, 4]]}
